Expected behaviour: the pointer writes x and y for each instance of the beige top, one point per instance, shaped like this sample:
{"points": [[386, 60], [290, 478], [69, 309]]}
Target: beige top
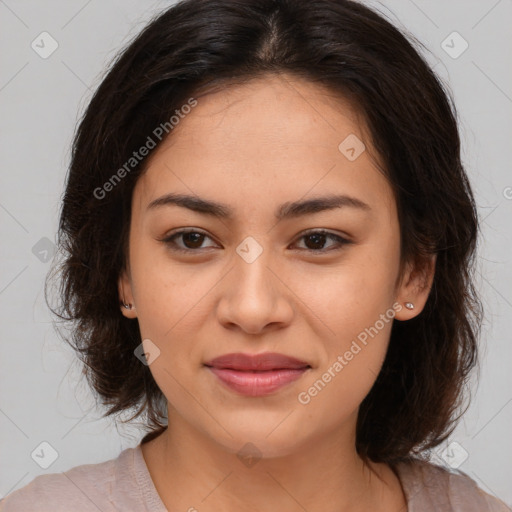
{"points": [[124, 484]]}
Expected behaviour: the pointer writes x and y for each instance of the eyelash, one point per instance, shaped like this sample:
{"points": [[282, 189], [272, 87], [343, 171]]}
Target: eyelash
{"points": [[172, 245]]}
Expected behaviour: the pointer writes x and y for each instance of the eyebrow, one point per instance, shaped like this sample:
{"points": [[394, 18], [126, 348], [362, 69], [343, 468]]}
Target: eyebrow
{"points": [[285, 211]]}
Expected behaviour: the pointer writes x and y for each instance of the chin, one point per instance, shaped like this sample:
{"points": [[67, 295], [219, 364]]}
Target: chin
{"points": [[257, 449], [266, 443]]}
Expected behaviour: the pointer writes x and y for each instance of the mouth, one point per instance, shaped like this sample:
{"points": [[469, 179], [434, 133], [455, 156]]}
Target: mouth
{"points": [[257, 375], [268, 361]]}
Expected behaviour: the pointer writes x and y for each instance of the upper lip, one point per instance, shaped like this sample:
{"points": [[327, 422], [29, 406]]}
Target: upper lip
{"points": [[265, 361]]}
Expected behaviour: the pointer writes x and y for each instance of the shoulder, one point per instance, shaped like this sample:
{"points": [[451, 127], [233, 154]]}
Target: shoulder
{"points": [[430, 487], [89, 487]]}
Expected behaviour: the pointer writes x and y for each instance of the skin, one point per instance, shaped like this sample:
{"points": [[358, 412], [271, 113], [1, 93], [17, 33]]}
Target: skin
{"points": [[254, 147]]}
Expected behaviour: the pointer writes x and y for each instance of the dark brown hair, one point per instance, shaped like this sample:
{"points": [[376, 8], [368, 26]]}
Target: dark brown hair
{"points": [[356, 53]]}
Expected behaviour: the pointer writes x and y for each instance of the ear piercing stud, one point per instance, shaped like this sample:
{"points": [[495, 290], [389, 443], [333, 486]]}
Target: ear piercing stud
{"points": [[408, 305]]}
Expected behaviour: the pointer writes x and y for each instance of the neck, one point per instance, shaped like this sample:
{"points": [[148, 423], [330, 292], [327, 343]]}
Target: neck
{"points": [[193, 472]]}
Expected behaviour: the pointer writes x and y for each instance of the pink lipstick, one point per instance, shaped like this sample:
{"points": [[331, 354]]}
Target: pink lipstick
{"points": [[257, 375]]}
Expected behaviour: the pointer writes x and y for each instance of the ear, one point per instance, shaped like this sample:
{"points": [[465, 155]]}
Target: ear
{"points": [[125, 295], [415, 287]]}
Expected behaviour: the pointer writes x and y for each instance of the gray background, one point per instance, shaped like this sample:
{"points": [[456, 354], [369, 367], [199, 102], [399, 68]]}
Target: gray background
{"points": [[42, 396]]}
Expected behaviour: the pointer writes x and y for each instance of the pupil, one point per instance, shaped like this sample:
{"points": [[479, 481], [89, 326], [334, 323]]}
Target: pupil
{"points": [[316, 236], [197, 236]]}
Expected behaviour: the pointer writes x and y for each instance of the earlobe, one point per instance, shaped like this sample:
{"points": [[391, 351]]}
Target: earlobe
{"points": [[126, 302], [415, 289]]}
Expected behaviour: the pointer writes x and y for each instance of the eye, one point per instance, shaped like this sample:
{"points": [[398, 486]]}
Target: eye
{"points": [[193, 239], [318, 237]]}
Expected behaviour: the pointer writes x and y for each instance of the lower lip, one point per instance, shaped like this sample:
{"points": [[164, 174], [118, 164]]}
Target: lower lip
{"points": [[257, 383]]}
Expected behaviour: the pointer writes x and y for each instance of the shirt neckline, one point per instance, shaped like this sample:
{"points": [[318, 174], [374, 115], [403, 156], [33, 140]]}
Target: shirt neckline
{"points": [[153, 500], [150, 495]]}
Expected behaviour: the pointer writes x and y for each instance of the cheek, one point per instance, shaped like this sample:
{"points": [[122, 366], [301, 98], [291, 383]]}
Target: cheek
{"points": [[352, 362], [350, 297], [163, 291], [354, 304], [172, 303]]}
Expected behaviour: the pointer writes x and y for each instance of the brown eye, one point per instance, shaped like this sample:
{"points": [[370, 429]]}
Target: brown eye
{"points": [[191, 240], [316, 241]]}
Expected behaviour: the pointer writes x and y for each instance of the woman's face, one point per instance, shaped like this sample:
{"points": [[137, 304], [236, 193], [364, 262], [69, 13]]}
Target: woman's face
{"points": [[252, 282]]}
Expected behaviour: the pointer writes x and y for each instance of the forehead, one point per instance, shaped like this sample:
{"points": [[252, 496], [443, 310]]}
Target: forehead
{"points": [[273, 105], [274, 136]]}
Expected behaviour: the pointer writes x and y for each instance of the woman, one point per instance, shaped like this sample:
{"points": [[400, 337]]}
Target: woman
{"points": [[269, 238]]}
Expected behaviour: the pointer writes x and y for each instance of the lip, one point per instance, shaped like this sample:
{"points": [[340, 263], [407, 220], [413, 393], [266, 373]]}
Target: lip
{"points": [[263, 362], [257, 375]]}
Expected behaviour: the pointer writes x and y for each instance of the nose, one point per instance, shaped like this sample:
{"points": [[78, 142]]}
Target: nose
{"points": [[255, 296]]}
